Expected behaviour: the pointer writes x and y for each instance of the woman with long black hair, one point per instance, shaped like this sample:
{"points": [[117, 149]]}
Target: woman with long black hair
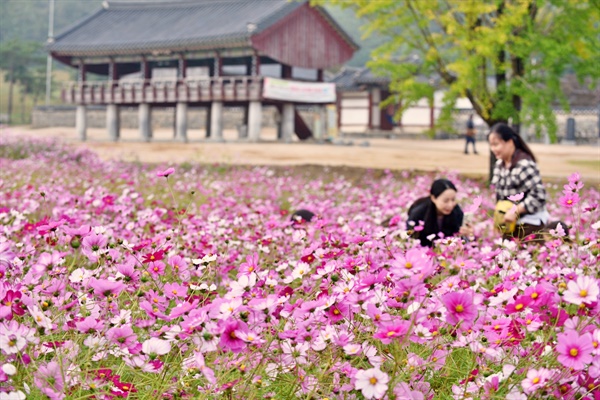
{"points": [[436, 213], [516, 173]]}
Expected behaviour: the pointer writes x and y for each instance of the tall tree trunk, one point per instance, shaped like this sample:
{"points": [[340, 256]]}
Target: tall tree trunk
{"points": [[11, 85], [22, 113], [518, 67]]}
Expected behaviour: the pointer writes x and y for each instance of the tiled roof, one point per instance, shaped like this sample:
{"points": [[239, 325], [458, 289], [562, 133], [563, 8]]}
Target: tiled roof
{"points": [[145, 27], [351, 78]]}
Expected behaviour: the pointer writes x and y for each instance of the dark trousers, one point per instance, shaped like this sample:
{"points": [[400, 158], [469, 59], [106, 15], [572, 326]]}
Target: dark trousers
{"points": [[470, 139]]}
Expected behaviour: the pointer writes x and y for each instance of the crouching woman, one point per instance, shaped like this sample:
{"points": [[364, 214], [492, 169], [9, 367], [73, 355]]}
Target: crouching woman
{"points": [[438, 213], [516, 173]]}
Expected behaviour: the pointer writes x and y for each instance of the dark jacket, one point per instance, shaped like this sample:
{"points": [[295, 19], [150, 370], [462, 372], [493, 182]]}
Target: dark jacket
{"points": [[424, 210]]}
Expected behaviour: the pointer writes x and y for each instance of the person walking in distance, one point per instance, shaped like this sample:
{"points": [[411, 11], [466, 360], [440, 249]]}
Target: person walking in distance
{"points": [[470, 135]]}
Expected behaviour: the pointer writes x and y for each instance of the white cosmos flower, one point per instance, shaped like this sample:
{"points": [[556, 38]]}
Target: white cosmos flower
{"points": [[9, 369], [12, 343], [15, 395], [352, 349], [372, 382], [40, 318], [243, 283], [156, 346]]}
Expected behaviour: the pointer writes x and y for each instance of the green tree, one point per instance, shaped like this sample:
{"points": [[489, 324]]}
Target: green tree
{"points": [[18, 58], [505, 56]]}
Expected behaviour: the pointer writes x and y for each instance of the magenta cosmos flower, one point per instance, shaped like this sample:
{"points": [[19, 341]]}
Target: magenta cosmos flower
{"points": [[574, 351], [165, 172], [460, 307]]}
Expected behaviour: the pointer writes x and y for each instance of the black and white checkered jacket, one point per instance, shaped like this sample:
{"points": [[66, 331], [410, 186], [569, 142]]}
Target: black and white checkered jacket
{"points": [[522, 177]]}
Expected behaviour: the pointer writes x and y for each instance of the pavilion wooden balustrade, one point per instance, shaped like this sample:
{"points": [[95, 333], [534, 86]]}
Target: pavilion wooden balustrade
{"points": [[229, 88]]}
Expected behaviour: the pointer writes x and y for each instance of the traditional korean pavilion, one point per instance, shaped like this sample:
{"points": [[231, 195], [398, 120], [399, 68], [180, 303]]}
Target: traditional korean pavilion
{"points": [[203, 53]]}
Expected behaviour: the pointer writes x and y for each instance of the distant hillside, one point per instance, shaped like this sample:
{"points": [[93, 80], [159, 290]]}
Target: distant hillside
{"points": [[28, 20]]}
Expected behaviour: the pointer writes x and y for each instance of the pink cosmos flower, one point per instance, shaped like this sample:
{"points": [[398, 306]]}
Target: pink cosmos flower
{"points": [[230, 339], [517, 197], [174, 290], [474, 206], [122, 336], [165, 172], [89, 324], [536, 379], [569, 200], [250, 266], [372, 383], [404, 392], [519, 305], [574, 185], [156, 269], [11, 304], [49, 377], [574, 351], [391, 330], [460, 307], [584, 290], [105, 288]]}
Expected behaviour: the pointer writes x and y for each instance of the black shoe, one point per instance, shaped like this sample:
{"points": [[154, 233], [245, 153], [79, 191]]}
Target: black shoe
{"points": [[466, 152], [476, 152]]}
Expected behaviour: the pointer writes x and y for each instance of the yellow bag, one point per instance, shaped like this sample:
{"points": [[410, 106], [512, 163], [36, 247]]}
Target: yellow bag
{"points": [[502, 207]]}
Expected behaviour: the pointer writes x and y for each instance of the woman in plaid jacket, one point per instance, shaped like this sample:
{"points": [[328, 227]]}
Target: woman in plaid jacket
{"points": [[516, 172]]}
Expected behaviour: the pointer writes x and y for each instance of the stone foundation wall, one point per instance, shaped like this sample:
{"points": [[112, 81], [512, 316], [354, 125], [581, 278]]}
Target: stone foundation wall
{"points": [[44, 117]]}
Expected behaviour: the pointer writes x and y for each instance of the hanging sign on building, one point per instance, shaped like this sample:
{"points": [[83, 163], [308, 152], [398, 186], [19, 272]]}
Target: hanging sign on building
{"points": [[304, 92]]}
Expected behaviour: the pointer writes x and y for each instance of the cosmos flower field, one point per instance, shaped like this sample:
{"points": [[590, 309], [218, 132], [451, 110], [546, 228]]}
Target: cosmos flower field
{"points": [[125, 280]]}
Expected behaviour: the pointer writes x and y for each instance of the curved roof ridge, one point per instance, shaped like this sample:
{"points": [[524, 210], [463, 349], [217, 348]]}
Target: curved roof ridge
{"points": [[78, 24], [127, 4]]}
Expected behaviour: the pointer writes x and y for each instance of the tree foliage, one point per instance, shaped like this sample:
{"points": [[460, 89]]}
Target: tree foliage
{"points": [[21, 62], [505, 56]]}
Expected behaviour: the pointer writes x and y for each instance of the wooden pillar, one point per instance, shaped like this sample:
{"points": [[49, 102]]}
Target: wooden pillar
{"points": [[181, 110], [216, 121], [113, 73], [146, 73], [254, 120], [112, 110], [81, 122], [216, 107], [207, 121], [182, 67], [431, 113], [287, 122], [375, 109], [80, 114], [255, 65], [370, 125], [217, 67], [338, 105], [286, 71], [145, 121], [113, 123]]}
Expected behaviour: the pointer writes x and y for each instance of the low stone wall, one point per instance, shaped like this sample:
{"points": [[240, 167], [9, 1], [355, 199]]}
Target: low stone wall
{"points": [[233, 117]]}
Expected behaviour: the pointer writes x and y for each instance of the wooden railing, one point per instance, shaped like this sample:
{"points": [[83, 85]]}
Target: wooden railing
{"points": [[229, 88]]}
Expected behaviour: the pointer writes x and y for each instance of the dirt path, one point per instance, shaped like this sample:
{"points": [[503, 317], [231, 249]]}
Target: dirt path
{"points": [[556, 162]]}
